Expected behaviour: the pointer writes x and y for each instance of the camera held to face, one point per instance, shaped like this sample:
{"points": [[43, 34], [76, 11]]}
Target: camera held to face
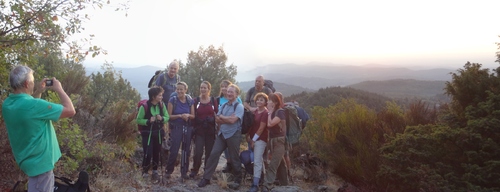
{"points": [[49, 82]]}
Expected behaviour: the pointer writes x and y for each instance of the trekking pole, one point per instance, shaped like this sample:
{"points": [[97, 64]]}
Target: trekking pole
{"points": [[147, 152], [183, 153]]}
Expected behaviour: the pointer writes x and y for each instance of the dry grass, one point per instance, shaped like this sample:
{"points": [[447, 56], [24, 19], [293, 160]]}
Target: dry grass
{"points": [[223, 180]]}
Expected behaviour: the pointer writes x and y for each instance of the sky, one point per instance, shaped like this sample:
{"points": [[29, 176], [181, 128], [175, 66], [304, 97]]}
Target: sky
{"points": [[408, 33]]}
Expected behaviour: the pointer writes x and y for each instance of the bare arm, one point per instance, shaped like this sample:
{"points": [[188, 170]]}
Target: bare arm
{"points": [[68, 108], [229, 119], [273, 121], [261, 128]]}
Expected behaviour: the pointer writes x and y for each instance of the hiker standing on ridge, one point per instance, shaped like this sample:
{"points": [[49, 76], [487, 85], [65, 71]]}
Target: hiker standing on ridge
{"points": [[259, 87], [221, 100], [276, 126], [152, 116], [204, 135], [229, 118], [257, 137], [181, 110], [168, 80], [29, 125]]}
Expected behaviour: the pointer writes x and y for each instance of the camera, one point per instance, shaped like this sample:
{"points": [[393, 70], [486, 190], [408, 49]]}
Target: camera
{"points": [[49, 82]]}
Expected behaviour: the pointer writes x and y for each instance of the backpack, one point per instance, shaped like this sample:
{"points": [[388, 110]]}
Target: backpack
{"points": [[247, 121], [144, 103], [153, 79], [157, 74], [211, 102], [189, 100], [269, 84], [293, 125], [247, 159], [63, 184], [304, 117]]}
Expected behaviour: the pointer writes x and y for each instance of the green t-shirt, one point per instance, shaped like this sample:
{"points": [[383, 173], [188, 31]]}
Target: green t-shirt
{"points": [[31, 134]]}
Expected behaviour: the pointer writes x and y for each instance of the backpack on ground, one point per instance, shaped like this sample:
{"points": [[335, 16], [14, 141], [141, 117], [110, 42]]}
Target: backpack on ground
{"points": [[269, 84], [247, 121], [293, 125], [247, 158], [63, 184]]}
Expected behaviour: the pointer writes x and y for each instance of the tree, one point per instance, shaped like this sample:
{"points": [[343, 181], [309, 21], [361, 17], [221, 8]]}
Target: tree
{"points": [[45, 22], [33, 29], [207, 65], [459, 154]]}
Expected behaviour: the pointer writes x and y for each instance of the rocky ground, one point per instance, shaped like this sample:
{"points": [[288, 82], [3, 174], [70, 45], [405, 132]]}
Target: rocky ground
{"points": [[220, 182]]}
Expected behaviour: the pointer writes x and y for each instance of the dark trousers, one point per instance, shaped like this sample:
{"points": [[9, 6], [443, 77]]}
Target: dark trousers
{"points": [[202, 142], [177, 135], [233, 145], [151, 144]]}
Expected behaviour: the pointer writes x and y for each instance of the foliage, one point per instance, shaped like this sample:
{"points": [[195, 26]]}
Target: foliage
{"points": [[107, 88], [325, 97], [468, 88], [391, 120], [207, 65], [71, 141], [459, 154], [346, 136], [423, 158], [49, 23]]}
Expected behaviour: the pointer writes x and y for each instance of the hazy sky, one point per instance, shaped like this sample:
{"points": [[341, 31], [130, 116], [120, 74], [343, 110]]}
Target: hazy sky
{"points": [[431, 33]]}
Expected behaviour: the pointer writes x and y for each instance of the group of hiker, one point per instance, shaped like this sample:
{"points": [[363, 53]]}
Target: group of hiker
{"points": [[172, 119]]}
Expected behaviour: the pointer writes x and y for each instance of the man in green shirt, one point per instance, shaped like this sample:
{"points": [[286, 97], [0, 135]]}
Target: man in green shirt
{"points": [[29, 125]]}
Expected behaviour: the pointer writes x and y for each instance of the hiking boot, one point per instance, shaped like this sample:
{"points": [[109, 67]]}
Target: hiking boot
{"points": [[204, 182], [184, 176], [228, 168], [167, 175], [192, 175], [265, 189], [145, 175], [234, 186], [155, 177], [254, 188]]}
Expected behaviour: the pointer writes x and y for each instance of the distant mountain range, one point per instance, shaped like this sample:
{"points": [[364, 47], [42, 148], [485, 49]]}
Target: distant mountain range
{"points": [[320, 76], [293, 78]]}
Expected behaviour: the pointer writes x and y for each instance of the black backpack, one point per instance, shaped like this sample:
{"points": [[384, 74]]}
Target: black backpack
{"points": [[247, 121], [157, 74], [63, 184], [269, 84]]}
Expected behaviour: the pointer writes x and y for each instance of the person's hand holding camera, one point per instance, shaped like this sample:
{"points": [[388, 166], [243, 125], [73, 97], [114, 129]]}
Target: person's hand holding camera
{"points": [[53, 84]]}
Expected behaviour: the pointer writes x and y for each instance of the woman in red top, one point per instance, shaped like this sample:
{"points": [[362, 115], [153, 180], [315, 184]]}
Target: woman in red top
{"points": [[257, 138], [204, 135], [276, 125]]}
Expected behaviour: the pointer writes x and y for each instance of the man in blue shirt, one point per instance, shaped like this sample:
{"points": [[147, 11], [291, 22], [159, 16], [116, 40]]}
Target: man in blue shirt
{"points": [[229, 136]]}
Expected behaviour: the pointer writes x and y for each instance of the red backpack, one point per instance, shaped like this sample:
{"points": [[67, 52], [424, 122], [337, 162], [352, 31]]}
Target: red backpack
{"points": [[143, 103]]}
